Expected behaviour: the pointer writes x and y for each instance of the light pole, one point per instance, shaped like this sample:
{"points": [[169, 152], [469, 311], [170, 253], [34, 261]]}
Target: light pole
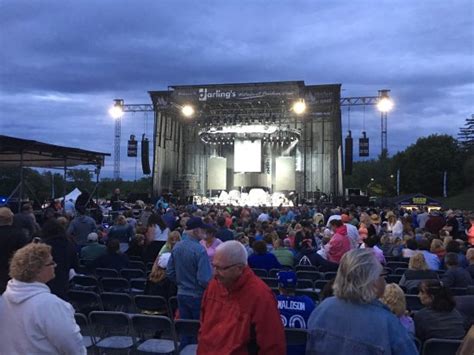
{"points": [[116, 111], [384, 105]]}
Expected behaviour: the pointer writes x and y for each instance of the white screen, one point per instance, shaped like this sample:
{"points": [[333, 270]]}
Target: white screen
{"points": [[247, 156]]}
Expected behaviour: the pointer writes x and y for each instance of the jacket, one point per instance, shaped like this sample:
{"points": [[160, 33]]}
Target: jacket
{"points": [[338, 245], [337, 326], [241, 319], [34, 321], [457, 277], [11, 239]]}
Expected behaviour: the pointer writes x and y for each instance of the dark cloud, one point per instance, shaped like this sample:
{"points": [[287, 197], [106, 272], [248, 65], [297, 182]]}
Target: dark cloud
{"points": [[63, 62]]}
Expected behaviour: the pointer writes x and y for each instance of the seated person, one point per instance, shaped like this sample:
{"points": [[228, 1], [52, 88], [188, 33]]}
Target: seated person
{"points": [[455, 276], [294, 310], [261, 258], [417, 271], [394, 299], [113, 259], [470, 259], [431, 259], [137, 246], [284, 255], [439, 318], [93, 249]]}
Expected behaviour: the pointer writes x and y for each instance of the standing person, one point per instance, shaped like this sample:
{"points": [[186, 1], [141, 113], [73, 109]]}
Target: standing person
{"points": [[173, 238], [339, 243], [34, 321], [122, 231], [64, 255], [394, 225], [421, 218], [81, 226], [210, 243], [11, 239], [239, 312], [156, 236], [26, 220], [189, 268], [294, 310], [349, 320]]}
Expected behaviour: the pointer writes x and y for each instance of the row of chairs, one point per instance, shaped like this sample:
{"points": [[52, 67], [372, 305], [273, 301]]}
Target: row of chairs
{"points": [[151, 334], [306, 272], [108, 284], [88, 301]]}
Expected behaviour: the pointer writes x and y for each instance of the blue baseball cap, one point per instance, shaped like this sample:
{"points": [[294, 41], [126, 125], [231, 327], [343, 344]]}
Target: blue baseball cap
{"points": [[287, 279], [196, 222]]}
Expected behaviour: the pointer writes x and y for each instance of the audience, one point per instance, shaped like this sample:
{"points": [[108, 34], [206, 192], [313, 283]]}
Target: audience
{"points": [[122, 231], [417, 271], [394, 299], [210, 243], [455, 276], [261, 258], [113, 259], [283, 254], [470, 258], [93, 249]]}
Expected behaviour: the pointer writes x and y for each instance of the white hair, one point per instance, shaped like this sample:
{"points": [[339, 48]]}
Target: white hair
{"points": [[356, 277], [234, 252]]}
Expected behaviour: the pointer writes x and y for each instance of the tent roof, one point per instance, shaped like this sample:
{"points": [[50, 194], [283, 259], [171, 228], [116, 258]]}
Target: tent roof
{"points": [[14, 151], [416, 199]]}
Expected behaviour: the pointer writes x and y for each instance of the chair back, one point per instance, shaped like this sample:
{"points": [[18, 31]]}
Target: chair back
{"points": [[106, 324], [137, 285], [85, 283], [441, 346], [146, 326], [104, 272], [309, 275], [270, 282], [117, 302], [187, 327], [260, 272], [310, 293], [84, 301], [115, 284], [132, 273], [155, 305], [304, 284], [137, 265], [330, 275], [306, 268], [413, 303]]}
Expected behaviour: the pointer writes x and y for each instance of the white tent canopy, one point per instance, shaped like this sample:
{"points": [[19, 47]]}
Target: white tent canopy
{"points": [[73, 195]]}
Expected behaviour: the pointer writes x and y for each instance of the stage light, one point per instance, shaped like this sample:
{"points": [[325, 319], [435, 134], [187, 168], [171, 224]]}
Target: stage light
{"points": [[116, 111], [299, 107], [187, 110], [385, 104]]}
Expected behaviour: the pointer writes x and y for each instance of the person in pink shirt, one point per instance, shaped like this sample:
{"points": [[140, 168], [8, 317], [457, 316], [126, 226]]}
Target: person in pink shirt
{"points": [[371, 243], [210, 243], [339, 243]]}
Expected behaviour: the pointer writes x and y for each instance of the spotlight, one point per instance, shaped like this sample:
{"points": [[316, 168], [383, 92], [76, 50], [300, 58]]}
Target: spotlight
{"points": [[385, 104], [299, 107], [187, 110], [116, 111]]}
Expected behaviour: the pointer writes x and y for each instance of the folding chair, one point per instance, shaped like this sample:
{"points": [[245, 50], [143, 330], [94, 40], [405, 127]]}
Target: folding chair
{"points": [[393, 278], [115, 284], [441, 346], [137, 265], [270, 282], [260, 272], [111, 330], [309, 275], [413, 303], [146, 329], [155, 305], [132, 273], [273, 273], [306, 268], [85, 283], [305, 284], [135, 258], [103, 272], [400, 270], [117, 302], [137, 286], [319, 284], [296, 336], [84, 301], [397, 264], [189, 329], [83, 324]]}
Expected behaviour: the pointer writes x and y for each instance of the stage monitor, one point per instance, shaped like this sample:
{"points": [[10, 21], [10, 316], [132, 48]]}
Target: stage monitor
{"points": [[247, 156]]}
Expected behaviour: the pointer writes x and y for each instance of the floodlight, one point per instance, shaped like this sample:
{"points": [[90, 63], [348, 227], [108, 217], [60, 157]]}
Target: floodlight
{"points": [[187, 110], [116, 111], [299, 107], [385, 104]]}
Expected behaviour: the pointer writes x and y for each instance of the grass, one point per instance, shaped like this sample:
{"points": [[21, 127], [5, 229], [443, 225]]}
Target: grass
{"points": [[463, 200]]}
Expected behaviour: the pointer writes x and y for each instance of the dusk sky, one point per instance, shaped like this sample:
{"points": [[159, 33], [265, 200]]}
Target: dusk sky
{"points": [[63, 62]]}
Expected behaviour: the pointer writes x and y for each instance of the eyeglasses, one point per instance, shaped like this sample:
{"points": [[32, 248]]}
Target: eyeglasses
{"points": [[224, 268]]}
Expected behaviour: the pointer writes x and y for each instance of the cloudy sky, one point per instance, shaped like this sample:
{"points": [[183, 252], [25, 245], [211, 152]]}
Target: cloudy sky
{"points": [[62, 62]]}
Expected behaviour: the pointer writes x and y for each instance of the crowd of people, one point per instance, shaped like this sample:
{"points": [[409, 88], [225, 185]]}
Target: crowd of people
{"points": [[206, 257]]}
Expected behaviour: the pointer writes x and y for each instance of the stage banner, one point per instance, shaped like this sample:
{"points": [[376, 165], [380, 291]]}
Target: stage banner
{"points": [[217, 173], [237, 92], [285, 173]]}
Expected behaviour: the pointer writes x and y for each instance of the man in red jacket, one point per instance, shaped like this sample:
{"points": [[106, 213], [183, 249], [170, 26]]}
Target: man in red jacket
{"points": [[239, 313]]}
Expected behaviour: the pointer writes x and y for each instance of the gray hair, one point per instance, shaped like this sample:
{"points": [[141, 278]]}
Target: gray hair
{"points": [[356, 277], [234, 251]]}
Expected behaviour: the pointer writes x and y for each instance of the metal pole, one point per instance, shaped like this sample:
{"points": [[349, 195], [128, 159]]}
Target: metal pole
{"points": [[21, 183], [118, 132]]}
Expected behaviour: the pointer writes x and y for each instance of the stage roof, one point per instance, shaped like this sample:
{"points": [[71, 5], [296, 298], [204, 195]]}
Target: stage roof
{"points": [[43, 155]]}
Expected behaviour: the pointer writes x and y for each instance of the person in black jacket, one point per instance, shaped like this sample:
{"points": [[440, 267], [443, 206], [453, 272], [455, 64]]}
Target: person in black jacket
{"points": [[64, 255], [455, 276], [114, 259], [11, 239]]}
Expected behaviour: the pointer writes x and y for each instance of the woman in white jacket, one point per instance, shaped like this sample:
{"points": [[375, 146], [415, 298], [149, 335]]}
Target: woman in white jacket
{"points": [[32, 319]]}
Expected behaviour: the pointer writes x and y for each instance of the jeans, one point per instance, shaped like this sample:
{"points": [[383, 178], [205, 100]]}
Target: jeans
{"points": [[189, 308]]}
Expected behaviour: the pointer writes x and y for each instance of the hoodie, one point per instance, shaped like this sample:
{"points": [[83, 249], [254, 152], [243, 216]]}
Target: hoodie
{"points": [[338, 245], [34, 321]]}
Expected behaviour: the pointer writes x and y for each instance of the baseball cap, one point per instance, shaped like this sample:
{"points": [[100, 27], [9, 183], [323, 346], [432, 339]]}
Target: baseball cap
{"points": [[196, 222], [92, 237], [287, 279]]}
